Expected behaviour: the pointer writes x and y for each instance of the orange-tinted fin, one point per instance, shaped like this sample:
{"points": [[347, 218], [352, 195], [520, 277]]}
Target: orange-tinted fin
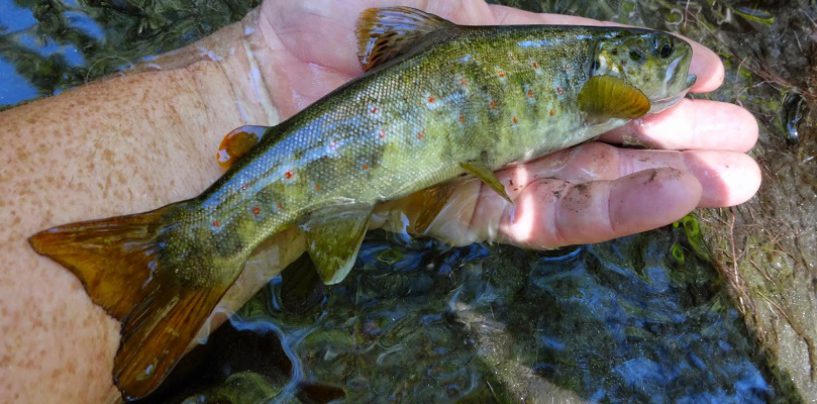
{"points": [[122, 263], [604, 97], [386, 33], [238, 142], [422, 208]]}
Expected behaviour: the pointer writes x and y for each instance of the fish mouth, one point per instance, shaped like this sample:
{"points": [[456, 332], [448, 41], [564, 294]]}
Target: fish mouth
{"points": [[661, 104]]}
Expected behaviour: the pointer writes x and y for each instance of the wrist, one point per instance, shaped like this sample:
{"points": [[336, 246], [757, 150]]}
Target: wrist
{"points": [[223, 71], [230, 76]]}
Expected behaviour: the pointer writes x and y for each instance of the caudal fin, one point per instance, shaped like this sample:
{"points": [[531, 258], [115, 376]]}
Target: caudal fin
{"points": [[122, 263]]}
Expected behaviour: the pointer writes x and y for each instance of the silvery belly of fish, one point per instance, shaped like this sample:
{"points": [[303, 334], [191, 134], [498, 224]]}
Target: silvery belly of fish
{"points": [[438, 101]]}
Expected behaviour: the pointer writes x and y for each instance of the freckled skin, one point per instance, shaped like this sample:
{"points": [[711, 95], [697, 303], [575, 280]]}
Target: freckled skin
{"points": [[493, 95]]}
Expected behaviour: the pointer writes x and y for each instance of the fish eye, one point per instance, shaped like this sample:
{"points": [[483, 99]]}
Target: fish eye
{"points": [[665, 51], [635, 55]]}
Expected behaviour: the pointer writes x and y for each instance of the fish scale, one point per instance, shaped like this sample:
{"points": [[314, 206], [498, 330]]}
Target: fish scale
{"points": [[438, 101]]}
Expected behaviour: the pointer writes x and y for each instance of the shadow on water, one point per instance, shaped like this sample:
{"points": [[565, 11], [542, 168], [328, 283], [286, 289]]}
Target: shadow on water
{"points": [[643, 318]]}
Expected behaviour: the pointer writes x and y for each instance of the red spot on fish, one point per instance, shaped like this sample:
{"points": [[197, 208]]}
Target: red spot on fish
{"points": [[373, 110], [431, 100], [421, 135], [464, 82], [501, 74], [514, 120], [560, 91], [216, 223], [317, 187], [552, 112], [256, 210], [365, 166], [462, 118], [535, 65], [492, 104], [530, 93], [279, 205], [288, 174], [244, 186], [381, 134]]}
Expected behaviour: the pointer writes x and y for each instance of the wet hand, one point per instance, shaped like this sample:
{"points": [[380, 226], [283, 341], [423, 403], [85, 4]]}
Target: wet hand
{"points": [[694, 155]]}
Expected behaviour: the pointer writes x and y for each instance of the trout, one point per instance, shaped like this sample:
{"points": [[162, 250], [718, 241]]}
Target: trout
{"points": [[437, 101]]}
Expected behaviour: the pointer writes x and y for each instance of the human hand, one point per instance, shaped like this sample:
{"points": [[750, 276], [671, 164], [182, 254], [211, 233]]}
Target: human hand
{"points": [[591, 193]]}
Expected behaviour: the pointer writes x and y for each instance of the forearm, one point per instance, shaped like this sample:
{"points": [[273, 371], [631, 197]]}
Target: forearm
{"points": [[121, 145]]}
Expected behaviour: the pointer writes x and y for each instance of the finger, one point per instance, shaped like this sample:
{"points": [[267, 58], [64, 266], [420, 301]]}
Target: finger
{"points": [[692, 124], [552, 213], [706, 65], [728, 178]]}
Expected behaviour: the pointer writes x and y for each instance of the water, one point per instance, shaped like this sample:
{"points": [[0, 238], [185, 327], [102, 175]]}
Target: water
{"points": [[643, 318]]}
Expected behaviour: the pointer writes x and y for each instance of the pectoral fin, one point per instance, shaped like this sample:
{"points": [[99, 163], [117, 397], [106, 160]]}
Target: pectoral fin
{"points": [[238, 142], [487, 176], [333, 239], [384, 34], [605, 97]]}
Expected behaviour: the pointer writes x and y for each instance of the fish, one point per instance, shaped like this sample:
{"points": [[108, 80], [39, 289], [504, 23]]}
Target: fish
{"points": [[437, 101]]}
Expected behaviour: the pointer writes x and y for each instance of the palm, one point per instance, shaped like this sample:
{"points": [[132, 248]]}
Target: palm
{"points": [[315, 47], [602, 191]]}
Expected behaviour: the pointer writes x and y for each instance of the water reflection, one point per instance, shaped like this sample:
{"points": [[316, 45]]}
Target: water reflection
{"points": [[620, 321], [14, 18], [17, 88]]}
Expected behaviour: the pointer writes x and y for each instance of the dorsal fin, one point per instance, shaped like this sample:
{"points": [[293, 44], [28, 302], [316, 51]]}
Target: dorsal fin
{"points": [[386, 33]]}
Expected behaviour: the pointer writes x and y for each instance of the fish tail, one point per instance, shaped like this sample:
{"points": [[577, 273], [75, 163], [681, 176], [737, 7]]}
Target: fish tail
{"points": [[122, 261]]}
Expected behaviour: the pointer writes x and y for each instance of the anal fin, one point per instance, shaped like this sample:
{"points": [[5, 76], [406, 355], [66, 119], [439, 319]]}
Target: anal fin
{"points": [[333, 240], [422, 207]]}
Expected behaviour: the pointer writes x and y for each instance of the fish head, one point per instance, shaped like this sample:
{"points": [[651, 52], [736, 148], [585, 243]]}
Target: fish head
{"points": [[655, 62]]}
